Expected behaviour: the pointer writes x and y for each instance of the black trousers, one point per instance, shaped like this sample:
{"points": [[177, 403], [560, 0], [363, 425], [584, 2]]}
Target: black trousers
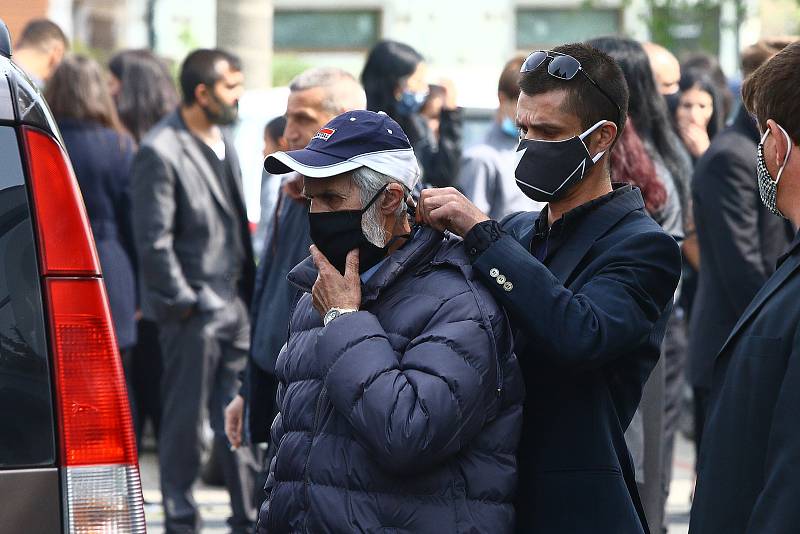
{"points": [[145, 378], [203, 357]]}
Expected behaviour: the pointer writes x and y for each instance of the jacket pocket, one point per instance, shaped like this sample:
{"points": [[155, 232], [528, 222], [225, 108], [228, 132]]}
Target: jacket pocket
{"points": [[760, 346]]}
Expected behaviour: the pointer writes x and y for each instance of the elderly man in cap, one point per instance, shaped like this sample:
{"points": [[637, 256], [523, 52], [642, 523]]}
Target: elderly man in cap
{"points": [[400, 398]]}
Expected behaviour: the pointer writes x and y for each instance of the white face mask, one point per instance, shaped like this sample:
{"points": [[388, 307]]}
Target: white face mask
{"points": [[767, 187]]}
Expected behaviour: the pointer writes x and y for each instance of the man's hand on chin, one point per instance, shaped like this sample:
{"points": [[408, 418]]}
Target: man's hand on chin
{"points": [[332, 290], [448, 209]]}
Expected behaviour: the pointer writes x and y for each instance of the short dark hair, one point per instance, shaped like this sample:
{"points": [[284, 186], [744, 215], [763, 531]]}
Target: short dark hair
{"points": [[200, 68], [584, 100], [39, 33], [759, 53], [772, 91], [508, 84], [274, 128]]}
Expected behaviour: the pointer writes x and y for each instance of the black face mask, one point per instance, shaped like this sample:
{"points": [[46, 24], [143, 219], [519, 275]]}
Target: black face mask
{"points": [[547, 170], [335, 233]]}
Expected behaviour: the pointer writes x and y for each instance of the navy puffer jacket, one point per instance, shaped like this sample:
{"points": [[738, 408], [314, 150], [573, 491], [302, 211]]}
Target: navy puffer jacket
{"points": [[403, 417]]}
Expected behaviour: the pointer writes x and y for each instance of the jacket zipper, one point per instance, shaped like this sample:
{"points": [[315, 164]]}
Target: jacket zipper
{"points": [[306, 472]]}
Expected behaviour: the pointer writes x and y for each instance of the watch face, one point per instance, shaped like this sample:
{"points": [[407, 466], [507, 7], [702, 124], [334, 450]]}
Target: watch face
{"points": [[332, 314]]}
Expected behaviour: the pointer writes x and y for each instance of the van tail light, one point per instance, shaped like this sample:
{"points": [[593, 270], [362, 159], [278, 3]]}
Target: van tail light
{"points": [[65, 238], [103, 491], [101, 487]]}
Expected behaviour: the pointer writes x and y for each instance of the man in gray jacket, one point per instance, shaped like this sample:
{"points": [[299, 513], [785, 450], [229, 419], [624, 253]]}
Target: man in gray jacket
{"points": [[196, 265]]}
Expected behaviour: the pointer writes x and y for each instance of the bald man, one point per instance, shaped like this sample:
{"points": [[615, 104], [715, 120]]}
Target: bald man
{"points": [[666, 69]]}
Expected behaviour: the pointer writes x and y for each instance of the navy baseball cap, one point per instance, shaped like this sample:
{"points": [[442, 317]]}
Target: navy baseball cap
{"points": [[353, 139]]}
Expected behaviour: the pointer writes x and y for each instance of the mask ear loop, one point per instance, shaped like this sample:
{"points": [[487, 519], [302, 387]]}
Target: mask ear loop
{"points": [[589, 132], [788, 153]]}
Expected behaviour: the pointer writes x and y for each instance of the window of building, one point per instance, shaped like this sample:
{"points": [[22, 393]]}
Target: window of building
{"points": [[318, 30], [543, 28]]}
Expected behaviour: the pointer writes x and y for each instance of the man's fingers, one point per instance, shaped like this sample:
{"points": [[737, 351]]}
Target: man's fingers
{"points": [[320, 260], [351, 264], [315, 254]]}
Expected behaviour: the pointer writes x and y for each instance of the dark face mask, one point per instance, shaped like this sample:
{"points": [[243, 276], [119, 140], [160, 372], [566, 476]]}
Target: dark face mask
{"points": [[335, 233], [547, 170]]}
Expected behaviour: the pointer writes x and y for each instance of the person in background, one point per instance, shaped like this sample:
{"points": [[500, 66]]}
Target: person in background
{"points": [[395, 80], [487, 171], [740, 238], [197, 267], [666, 69], [101, 153], [315, 97], [143, 90], [632, 164], [432, 108], [698, 116], [748, 478], [144, 93], [704, 62], [40, 48], [273, 142], [661, 402]]}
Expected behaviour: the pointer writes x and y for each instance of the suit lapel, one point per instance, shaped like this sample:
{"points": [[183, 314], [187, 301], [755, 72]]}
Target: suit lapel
{"points": [[789, 266], [596, 224], [212, 180]]}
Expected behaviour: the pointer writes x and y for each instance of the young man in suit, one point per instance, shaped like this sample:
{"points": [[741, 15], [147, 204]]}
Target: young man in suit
{"points": [[748, 476], [197, 271], [587, 283]]}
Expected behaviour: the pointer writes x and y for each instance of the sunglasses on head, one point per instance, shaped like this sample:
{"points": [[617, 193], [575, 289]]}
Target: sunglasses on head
{"points": [[563, 67]]}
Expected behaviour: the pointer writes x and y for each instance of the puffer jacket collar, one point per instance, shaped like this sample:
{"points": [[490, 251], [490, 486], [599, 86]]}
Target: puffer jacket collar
{"points": [[416, 253]]}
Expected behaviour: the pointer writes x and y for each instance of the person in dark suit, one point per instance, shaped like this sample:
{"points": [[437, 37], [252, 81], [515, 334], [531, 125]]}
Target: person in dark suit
{"points": [[748, 477], [101, 154], [587, 283], [740, 239], [197, 274]]}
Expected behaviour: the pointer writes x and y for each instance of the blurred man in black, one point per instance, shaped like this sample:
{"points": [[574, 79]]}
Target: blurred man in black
{"points": [[739, 237], [749, 469]]}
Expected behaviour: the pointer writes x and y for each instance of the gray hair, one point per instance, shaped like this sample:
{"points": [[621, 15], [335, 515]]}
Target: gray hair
{"points": [[343, 92], [369, 182]]}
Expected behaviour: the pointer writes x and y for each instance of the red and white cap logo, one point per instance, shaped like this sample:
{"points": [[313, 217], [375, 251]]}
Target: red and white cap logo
{"points": [[324, 134]]}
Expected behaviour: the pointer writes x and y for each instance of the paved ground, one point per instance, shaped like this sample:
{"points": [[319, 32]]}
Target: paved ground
{"points": [[214, 507]]}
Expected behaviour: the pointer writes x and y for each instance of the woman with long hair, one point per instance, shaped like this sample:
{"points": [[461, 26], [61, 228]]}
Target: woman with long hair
{"points": [[698, 116], [143, 90], [144, 93], [395, 80], [101, 153]]}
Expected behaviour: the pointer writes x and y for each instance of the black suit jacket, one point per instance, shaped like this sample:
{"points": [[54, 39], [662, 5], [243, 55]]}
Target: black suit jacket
{"points": [[740, 240], [589, 326], [749, 467]]}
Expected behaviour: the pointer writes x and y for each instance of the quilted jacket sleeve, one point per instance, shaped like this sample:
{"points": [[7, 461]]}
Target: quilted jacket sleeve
{"points": [[413, 410]]}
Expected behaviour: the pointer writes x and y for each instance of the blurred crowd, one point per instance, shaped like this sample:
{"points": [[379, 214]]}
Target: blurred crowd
{"points": [[201, 304]]}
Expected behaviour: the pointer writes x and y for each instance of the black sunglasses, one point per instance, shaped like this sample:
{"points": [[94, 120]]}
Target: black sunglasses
{"points": [[563, 67]]}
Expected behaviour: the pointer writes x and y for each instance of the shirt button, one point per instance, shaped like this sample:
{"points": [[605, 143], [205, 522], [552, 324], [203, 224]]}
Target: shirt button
{"points": [[494, 273], [508, 286], [473, 251], [501, 279]]}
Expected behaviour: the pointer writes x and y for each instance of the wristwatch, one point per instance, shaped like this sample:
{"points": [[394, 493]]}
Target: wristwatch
{"points": [[333, 313]]}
